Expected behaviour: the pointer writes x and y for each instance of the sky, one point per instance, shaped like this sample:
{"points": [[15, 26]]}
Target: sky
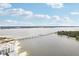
{"points": [[39, 14]]}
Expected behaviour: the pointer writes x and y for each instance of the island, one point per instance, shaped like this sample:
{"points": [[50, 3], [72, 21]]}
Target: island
{"points": [[74, 34]]}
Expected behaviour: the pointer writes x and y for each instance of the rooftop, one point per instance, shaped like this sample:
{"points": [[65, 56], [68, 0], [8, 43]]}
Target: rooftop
{"points": [[5, 40]]}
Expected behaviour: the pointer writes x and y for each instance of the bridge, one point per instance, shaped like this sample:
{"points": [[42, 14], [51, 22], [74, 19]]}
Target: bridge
{"points": [[38, 36]]}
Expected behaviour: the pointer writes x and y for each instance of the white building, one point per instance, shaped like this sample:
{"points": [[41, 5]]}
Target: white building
{"points": [[10, 47], [7, 46]]}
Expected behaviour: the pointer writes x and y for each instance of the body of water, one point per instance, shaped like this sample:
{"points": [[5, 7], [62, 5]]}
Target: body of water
{"points": [[44, 41]]}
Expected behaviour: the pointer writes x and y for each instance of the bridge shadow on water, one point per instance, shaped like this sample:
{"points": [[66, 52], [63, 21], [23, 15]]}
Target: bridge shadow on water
{"points": [[38, 36]]}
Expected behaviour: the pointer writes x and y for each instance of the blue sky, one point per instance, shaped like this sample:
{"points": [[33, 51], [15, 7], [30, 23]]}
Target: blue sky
{"points": [[39, 14]]}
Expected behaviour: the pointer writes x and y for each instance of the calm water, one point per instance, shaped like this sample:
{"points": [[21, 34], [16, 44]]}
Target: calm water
{"points": [[44, 41]]}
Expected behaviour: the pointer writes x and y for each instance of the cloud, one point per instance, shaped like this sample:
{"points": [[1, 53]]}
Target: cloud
{"points": [[30, 18], [61, 21], [74, 13], [26, 13], [67, 21], [56, 5], [52, 20], [56, 17], [19, 12], [5, 5], [2, 13], [3, 8], [10, 21], [42, 16]]}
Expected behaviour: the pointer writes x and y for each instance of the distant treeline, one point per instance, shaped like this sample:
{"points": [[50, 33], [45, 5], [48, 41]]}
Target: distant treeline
{"points": [[14, 27]]}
